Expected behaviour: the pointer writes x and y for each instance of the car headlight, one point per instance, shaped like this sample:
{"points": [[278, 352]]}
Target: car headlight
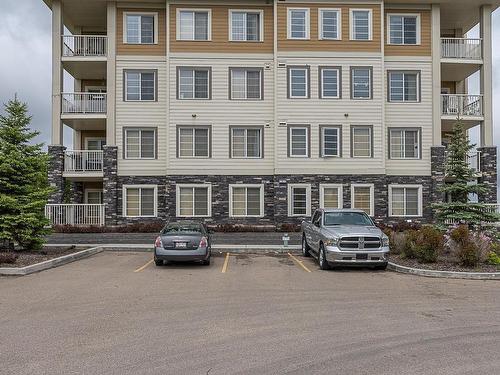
{"points": [[332, 242], [385, 241]]}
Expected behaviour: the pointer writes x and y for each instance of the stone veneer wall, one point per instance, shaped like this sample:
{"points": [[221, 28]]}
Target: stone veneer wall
{"points": [[55, 173], [489, 174], [110, 192], [438, 173]]}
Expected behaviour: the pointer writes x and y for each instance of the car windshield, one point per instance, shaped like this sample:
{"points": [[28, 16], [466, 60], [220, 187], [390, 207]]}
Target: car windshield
{"points": [[177, 228], [346, 218]]}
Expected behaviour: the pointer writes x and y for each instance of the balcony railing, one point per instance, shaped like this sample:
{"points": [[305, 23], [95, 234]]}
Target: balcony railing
{"points": [[461, 48], [75, 214], [462, 105], [83, 161], [84, 46], [84, 103]]}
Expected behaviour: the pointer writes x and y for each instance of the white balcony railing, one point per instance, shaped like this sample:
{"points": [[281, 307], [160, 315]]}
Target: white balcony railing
{"points": [[83, 161], [461, 48], [493, 208], [462, 105], [84, 46], [75, 214], [84, 103]]}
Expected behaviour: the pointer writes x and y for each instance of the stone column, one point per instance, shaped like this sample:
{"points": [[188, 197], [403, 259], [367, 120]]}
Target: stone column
{"points": [[437, 174], [110, 184], [488, 160], [55, 173]]}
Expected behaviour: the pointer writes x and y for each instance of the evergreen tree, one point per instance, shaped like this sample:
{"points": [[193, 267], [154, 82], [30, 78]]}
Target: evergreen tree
{"points": [[24, 187], [462, 175]]}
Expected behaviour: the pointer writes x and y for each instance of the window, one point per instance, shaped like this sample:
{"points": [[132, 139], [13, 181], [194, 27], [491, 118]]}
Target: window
{"points": [[404, 86], [361, 24], [329, 83], [246, 84], [193, 83], [194, 200], [140, 143], [193, 142], [330, 196], [139, 200], [298, 23], [93, 196], [405, 200], [246, 200], [404, 29], [140, 28], [246, 142], [246, 26], [140, 85], [330, 141], [330, 24], [298, 82], [298, 141], [404, 143], [299, 200], [362, 197], [193, 24], [361, 82], [361, 141]]}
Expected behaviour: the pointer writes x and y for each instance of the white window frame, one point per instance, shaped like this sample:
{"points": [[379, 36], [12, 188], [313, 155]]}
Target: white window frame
{"points": [[320, 23], [193, 10], [339, 140], [178, 187], [140, 130], [260, 186], [370, 24], [246, 70], [339, 84], [290, 141], [194, 128], [340, 193], [155, 86], [404, 72], [370, 81], [194, 69], [372, 196], [420, 199], [418, 25], [261, 24], [419, 136], [124, 199], [87, 191], [261, 144], [290, 199], [290, 91], [307, 25], [102, 141], [353, 128], [155, 27]]}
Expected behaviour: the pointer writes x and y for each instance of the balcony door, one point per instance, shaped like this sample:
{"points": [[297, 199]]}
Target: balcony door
{"points": [[93, 158]]}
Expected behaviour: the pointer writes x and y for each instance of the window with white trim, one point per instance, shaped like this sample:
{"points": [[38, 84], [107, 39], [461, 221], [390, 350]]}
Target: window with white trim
{"points": [[193, 83], [140, 85], [361, 141], [404, 29], [246, 83], [362, 197], [139, 200], [93, 196], [361, 24], [361, 83], [298, 23], [246, 200], [404, 86], [330, 24], [330, 141], [329, 82], [299, 200], [298, 141], [330, 196], [246, 142], [404, 143], [194, 142], [140, 28], [193, 24], [298, 83], [194, 200], [246, 26], [405, 200], [140, 143]]}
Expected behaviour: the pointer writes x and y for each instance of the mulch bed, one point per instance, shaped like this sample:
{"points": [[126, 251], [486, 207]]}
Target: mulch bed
{"points": [[28, 257], [444, 263]]}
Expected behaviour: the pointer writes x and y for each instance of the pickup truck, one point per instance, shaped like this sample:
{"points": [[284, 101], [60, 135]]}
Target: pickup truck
{"points": [[344, 237]]}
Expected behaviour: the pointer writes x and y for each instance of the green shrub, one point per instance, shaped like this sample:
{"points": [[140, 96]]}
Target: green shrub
{"points": [[493, 258], [408, 247], [428, 244]]}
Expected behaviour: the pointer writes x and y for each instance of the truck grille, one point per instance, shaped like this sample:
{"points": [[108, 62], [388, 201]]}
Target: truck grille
{"points": [[359, 243]]}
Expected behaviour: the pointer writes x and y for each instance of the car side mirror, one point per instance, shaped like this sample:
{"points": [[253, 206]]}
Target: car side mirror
{"points": [[317, 224]]}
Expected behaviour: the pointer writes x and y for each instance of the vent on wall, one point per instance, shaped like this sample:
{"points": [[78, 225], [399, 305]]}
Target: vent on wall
{"points": [[267, 66], [283, 123], [281, 65]]}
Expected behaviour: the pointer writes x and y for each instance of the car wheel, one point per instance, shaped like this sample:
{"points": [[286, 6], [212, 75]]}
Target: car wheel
{"points": [[323, 263], [206, 262], [305, 247], [158, 262]]}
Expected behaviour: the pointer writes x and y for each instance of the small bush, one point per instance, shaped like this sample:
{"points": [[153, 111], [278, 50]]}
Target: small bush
{"points": [[468, 247], [493, 258], [428, 244], [8, 258], [408, 250], [397, 242]]}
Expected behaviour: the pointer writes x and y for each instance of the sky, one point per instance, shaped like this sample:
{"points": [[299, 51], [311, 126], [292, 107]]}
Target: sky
{"points": [[25, 67]]}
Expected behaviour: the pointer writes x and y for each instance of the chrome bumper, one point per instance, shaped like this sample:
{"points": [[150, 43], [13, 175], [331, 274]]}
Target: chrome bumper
{"points": [[373, 256]]}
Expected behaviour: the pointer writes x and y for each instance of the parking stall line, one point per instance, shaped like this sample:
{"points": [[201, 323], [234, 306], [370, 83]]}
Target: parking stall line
{"points": [[144, 267], [300, 263], [226, 262]]}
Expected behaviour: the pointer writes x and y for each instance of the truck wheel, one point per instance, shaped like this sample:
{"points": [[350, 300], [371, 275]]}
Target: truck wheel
{"points": [[158, 262], [323, 263], [305, 247]]}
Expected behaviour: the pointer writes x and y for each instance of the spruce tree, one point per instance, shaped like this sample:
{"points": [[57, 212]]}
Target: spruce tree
{"points": [[461, 176], [24, 187]]}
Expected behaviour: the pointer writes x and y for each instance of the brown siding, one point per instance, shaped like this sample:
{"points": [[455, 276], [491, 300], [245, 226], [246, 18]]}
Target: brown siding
{"points": [[424, 49], [220, 32], [91, 134], [314, 44], [158, 49], [449, 85]]}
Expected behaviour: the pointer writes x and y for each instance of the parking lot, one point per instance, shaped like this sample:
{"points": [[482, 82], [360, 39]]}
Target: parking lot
{"points": [[116, 313]]}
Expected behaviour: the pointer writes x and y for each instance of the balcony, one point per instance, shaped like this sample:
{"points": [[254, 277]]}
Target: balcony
{"points": [[83, 163], [460, 57], [84, 46], [474, 161], [75, 214], [84, 103], [462, 106]]}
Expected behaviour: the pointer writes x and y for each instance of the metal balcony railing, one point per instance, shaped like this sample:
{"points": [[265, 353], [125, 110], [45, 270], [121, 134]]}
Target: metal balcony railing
{"points": [[461, 48], [75, 214], [84, 46], [84, 103], [83, 161], [462, 105]]}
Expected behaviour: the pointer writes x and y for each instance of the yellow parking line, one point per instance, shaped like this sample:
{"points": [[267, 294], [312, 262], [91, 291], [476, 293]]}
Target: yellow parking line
{"points": [[299, 262], [143, 267], [226, 262]]}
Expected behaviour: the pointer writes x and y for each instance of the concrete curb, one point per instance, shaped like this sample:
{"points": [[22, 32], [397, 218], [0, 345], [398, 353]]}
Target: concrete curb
{"points": [[149, 247], [444, 274]]}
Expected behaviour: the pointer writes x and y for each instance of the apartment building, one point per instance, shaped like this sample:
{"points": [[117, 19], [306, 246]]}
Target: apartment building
{"points": [[259, 111]]}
